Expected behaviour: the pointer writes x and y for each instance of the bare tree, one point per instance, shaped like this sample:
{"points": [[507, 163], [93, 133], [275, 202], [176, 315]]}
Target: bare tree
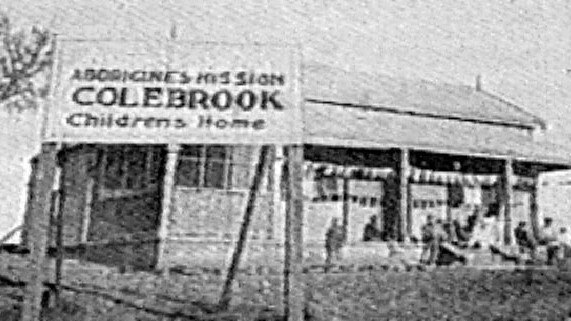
{"points": [[25, 58]]}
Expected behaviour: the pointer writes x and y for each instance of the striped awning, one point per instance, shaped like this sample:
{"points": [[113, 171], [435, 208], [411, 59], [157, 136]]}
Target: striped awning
{"points": [[336, 170], [441, 177], [416, 175]]}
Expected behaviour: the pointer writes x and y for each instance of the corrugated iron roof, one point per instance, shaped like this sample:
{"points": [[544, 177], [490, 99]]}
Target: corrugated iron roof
{"points": [[413, 97], [339, 125]]}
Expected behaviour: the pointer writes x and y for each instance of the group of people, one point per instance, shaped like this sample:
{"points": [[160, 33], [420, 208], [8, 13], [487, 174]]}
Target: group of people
{"points": [[478, 232], [481, 232], [435, 234], [335, 238], [556, 241]]}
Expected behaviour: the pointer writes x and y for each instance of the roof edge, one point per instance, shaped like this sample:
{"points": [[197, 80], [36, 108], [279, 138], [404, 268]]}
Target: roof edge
{"points": [[352, 143], [536, 120], [400, 111]]}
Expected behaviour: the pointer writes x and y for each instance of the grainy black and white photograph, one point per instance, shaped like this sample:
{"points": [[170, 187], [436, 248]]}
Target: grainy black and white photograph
{"points": [[280, 160]]}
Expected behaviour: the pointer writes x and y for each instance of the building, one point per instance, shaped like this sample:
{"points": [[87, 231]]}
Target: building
{"points": [[373, 145]]}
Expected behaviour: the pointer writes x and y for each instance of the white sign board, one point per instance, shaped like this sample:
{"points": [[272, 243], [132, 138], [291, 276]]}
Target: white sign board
{"points": [[140, 92]]}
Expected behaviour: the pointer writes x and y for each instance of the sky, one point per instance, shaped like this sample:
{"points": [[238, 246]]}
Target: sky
{"points": [[520, 49]]}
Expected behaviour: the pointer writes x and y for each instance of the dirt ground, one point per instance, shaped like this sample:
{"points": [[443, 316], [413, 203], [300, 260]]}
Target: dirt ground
{"points": [[460, 293]]}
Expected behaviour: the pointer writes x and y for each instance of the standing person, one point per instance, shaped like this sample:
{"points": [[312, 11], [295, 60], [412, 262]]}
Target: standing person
{"points": [[565, 243], [547, 232], [564, 239], [334, 240], [524, 239], [433, 236], [427, 236]]}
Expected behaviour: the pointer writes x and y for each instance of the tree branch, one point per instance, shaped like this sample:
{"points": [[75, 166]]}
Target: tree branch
{"points": [[23, 56]]}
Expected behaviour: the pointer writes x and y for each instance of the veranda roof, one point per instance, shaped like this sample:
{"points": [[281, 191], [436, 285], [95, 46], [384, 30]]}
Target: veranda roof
{"points": [[371, 111]]}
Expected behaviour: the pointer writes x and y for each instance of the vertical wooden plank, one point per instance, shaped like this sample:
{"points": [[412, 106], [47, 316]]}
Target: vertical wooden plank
{"points": [[149, 155], [167, 193], [274, 183], [127, 152], [381, 214], [390, 204], [228, 150], [102, 169], [86, 213], [409, 218], [60, 188], [39, 219], [449, 187], [534, 206], [30, 199], [507, 182], [404, 170], [271, 188], [202, 167], [346, 207], [242, 237], [293, 277]]}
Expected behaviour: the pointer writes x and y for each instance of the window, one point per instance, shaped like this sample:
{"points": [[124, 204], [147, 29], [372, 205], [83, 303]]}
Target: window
{"points": [[216, 171], [113, 173], [129, 170], [215, 166]]}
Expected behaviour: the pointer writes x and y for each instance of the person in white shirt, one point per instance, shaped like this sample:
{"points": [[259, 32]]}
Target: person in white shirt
{"points": [[564, 243], [548, 233], [549, 237]]}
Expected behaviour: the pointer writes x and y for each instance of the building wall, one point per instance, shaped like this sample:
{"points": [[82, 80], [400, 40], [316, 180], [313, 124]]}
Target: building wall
{"points": [[204, 222], [555, 202], [521, 211], [210, 213], [121, 230], [204, 227]]}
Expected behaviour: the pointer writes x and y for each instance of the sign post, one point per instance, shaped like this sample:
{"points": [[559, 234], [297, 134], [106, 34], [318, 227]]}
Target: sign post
{"points": [[242, 237], [294, 293], [39, 226]]}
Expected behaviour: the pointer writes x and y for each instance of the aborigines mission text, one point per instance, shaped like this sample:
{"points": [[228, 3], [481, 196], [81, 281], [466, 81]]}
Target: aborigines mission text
{"points": [[238, 78]]}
